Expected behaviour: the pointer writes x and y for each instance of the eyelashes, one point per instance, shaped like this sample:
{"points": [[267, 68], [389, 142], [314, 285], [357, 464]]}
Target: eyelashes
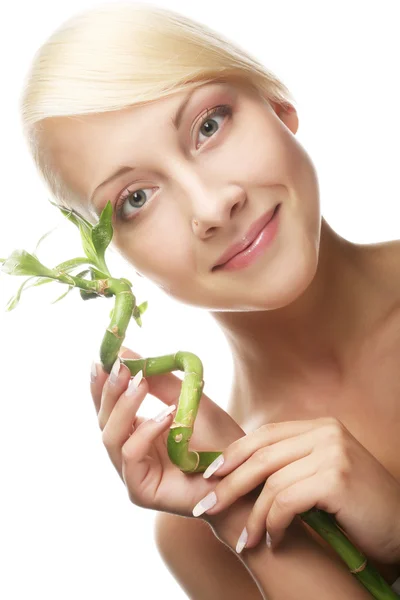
{"points": [[224, 110]]}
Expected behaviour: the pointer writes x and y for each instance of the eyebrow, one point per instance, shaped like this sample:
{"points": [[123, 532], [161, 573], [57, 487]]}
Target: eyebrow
{"points": [[176, 121]]}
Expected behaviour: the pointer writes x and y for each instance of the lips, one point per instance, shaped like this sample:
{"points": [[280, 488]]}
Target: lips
{"points": [[247, 239]]}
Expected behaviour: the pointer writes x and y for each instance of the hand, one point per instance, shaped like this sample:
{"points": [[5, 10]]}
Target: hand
{"points": [[306, 464], [140, 457]]}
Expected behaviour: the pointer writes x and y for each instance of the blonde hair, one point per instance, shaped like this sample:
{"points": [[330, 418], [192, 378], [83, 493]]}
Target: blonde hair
{"points": [[123, 54]]}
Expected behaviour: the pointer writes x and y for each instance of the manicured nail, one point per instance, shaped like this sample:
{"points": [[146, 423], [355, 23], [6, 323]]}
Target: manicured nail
{"points": [[115, 371], [134, 384], [205, 504], [218, 462], [268, 540], [93, 372], [163, 414], [242, 541]]}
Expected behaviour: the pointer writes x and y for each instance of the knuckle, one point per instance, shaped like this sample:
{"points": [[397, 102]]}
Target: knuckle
{"points": [[233, 451], [284, 499], [102, 419], [260, 456], [107, 439], [267, 428], [334, 430], [272, 484], [128, 353], [338, 477], [127, 453], [134, 498], [344, 468], [336, 453]]}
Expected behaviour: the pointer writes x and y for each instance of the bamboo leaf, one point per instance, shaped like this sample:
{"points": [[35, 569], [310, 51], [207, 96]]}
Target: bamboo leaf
{"points": [[96, 274], [70, 287], [14, 300], [138, 320], [102, 233], [74, 216], [126, 281], [82, 273], [143, 307], [71, 264], [88, 295], [41, 281], [42, 238], [85, 229], [21, 262]]}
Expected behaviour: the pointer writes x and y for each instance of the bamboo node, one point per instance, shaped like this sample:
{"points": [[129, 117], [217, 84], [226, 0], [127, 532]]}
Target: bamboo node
{"points": [[103, 285], [188, 419], [360, 568], [198, 459], [114, 332], [177, 424]]}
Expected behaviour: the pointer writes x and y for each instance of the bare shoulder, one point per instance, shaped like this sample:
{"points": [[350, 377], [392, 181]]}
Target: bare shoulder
{"points": [[204, 567], [381, 264], [384, 258]]}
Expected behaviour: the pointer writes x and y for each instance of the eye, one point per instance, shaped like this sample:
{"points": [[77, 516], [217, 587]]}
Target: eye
{"points": [[223, 111], [137, 199]]}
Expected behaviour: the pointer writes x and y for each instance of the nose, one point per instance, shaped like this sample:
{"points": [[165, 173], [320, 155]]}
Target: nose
{"points": [[212, 209]]}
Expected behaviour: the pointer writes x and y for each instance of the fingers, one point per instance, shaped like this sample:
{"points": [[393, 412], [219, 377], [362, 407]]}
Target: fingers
{"points": [[141, 472], [300, 497], [257, 444], [98, 378], [273, 489], [118, 413], [265, 463], [112, 390], [104, 393]]}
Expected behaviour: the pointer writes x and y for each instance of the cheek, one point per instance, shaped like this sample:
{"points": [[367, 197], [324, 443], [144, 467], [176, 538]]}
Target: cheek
{"points": [[259, 157], [159, 250]]}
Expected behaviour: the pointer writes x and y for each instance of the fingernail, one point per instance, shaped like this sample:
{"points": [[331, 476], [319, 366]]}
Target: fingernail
{"points": [[242, 541], [93, 372], [218, 462], [268, 540], [205, 504], [115, 371], [163, 414], [134, 384]]}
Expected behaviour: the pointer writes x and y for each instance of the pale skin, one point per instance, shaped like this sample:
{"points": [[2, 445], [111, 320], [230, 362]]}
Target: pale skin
{"points": [[312, 325]]}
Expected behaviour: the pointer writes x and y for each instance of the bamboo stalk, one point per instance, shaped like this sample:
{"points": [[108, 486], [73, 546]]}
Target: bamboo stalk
{"points": [[96, 239]]}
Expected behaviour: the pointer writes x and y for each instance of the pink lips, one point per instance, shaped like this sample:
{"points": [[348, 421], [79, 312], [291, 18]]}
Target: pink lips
{"points": [[245, 241]]}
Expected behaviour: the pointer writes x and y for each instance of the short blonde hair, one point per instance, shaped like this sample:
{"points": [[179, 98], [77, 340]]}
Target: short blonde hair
{"points": [[123, 54]]}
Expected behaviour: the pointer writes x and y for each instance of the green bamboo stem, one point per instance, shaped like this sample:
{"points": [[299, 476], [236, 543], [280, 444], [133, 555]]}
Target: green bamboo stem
{"points": [[181, 429], [325, 525]]}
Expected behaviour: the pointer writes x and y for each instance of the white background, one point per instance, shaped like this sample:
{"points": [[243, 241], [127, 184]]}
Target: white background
{"points": [[68, 529]]}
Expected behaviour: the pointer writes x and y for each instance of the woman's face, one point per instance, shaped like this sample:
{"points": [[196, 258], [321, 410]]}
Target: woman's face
{"points": [[224, 171]]}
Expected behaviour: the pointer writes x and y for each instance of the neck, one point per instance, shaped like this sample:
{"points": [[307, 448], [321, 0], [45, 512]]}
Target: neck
{"points": [[314, 337]]}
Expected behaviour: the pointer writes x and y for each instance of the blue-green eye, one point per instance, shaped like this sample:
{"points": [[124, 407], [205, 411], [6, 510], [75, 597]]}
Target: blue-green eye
{"points": [[136, 197]]}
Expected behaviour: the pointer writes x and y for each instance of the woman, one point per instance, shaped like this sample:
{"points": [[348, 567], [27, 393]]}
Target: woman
{"points": [[199, 156]]}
